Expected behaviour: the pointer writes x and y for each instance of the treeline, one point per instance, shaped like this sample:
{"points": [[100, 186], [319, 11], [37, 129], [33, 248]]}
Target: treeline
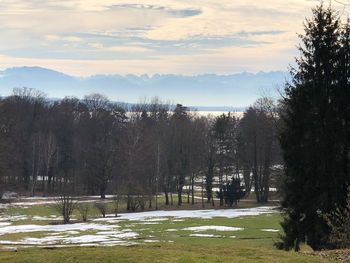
{"points": [[93, 146]]}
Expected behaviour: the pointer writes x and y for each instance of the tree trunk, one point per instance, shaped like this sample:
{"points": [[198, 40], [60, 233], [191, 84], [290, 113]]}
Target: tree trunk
{"points": [[202, 193], [128, 203], [255, 173], [103, 191], [166, 198], [220, 190], [179, 196], [192, 188], [188, 194]]}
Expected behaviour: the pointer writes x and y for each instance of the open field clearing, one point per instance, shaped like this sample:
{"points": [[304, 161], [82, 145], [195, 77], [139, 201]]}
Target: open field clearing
{"points": [[210, 235]]}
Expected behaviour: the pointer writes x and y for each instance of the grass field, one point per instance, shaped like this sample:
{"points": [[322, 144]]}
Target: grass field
{"points": [[153, 239]]}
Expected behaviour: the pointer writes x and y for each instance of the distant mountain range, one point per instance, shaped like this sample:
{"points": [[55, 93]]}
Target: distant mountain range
{"points": [[235, 90]]}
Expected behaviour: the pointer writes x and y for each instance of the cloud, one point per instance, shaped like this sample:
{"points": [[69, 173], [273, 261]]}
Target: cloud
{"points": [[54, 38], [95, 45], [149, 7], [147, 36], [124, 49]]}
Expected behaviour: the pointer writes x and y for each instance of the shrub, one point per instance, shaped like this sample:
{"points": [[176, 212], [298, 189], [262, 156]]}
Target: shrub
{"points": [[65, 205], [102, 208], [83, 209]]}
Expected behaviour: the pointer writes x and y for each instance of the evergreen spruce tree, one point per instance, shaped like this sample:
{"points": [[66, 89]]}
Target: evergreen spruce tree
{"points": [[314, 133]]}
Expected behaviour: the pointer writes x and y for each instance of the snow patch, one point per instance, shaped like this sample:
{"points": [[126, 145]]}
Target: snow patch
{"points": [[204, 214], [269, 230], [216, 228], [53, 228], [171, 230]]}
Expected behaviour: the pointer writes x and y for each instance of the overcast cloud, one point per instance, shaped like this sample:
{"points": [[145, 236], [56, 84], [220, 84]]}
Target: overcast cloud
{"points": [[84, 37]]}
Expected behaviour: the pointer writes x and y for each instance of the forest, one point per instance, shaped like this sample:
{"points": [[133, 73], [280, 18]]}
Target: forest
{"points": [[94, 146]]}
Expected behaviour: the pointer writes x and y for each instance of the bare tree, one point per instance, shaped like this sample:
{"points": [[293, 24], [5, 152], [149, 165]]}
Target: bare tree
{"points": [[102, 208], [65, 205]]}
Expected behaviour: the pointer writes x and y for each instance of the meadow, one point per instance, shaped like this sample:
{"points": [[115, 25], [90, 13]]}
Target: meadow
{"points": [[32, 232]]}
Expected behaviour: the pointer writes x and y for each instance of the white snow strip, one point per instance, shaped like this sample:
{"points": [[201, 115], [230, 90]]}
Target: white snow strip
{"points": [[216, 228], [45, 218], [113, 237], [171, 230], [26, 204], [40, 241], [13, 218], [72, 232], [151, 241], [269, 230], [180, 214], [53, 228], [86, 239], [126, 235]]}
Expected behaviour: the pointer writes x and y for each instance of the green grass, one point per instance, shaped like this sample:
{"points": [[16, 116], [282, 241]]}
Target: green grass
{"points": [[205, 251], [250, 245]]}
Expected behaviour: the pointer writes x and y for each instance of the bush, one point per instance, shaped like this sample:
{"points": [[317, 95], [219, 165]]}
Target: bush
{"points": [[133, 203], [65, 205], [136, 201], [102, 208], [83, 209]]}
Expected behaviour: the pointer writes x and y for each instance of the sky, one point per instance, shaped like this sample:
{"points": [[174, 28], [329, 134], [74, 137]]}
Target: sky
{"points": [[86, 37]]}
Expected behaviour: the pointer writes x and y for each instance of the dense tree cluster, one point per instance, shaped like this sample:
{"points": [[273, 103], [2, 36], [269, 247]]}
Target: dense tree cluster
{"points": [[316, 134], [93, 146]]}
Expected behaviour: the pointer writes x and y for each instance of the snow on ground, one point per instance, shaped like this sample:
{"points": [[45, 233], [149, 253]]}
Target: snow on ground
{"points": [[46, 218], [108, 232], [12, 218], [216, 228], [204, 214], [66, 236], [171, 230], [83, 240], [54, 228], [151, 241], [269, 230], [25, 202]]}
